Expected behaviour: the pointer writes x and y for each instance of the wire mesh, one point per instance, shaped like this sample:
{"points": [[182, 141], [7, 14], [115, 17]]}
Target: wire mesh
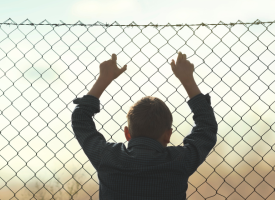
{"points": [[44, 66]]}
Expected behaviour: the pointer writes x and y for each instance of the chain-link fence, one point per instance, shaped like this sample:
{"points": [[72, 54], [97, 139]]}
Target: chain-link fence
{"points": [[43, 67]]}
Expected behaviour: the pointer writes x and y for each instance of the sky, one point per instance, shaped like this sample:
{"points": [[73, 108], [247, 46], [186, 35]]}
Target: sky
{"points": [[124, 12], [142, 11]]}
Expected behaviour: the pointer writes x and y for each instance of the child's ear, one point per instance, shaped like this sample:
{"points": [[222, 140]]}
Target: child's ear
{"points": [[127, 133]]}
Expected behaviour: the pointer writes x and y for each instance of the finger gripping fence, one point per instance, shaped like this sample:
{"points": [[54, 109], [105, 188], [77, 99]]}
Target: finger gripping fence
{"points": [[44, 66]]}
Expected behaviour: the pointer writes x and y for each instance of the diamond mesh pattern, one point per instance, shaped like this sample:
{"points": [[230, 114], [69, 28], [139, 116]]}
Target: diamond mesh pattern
{"points": [[43, 67]]}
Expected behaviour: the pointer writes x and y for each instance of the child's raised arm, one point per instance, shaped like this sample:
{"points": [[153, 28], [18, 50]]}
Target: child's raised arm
{"points": [[203, 136]]}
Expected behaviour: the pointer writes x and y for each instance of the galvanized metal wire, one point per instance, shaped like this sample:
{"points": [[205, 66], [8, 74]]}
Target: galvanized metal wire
{"points": [[44, 66]]}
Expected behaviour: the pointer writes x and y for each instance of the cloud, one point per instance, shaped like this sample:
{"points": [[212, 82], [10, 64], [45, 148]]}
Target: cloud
{"points": [[118, 8]]}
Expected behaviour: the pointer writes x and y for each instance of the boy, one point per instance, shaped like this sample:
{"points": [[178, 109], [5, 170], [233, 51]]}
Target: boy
{"points": [[147, 169]]}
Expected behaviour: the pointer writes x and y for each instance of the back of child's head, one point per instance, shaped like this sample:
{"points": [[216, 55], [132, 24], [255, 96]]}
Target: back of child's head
{"points": [[149, 117]]}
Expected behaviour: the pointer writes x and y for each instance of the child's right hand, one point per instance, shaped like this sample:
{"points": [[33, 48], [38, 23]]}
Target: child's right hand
{"points": [[183, 69]]}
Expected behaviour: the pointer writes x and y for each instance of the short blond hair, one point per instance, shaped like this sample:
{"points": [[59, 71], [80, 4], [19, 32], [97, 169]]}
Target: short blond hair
{"points": [[149, 117]]}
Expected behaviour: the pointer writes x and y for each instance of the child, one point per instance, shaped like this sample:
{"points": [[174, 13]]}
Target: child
{"points": [[147, 169]]}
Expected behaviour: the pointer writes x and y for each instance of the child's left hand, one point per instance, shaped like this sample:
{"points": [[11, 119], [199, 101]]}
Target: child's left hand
{"points": [[109, 69]]}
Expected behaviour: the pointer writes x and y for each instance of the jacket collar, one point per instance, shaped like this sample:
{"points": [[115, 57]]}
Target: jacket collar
{"points": [[147, 142]]}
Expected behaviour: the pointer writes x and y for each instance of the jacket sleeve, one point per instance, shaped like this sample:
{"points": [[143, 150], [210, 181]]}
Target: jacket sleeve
{"points": [[91, 141], [203, 136]]}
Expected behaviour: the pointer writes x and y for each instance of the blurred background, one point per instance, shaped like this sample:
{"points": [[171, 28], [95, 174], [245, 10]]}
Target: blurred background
{"points": [[44, 67]]}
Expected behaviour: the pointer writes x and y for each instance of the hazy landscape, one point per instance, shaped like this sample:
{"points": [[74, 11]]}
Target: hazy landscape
{"points": [[42, 74]]}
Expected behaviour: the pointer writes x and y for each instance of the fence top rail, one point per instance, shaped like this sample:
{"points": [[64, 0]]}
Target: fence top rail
{"points": [[27, 22]]}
